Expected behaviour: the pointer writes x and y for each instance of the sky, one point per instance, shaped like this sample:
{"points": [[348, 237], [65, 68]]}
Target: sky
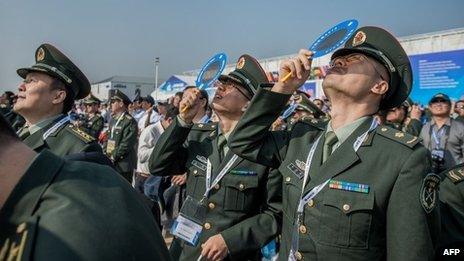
{"points": [[106, 38]]}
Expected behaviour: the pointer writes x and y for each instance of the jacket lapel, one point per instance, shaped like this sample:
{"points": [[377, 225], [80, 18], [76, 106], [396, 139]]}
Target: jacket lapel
{"points": [[341, 159], [35, 141]]}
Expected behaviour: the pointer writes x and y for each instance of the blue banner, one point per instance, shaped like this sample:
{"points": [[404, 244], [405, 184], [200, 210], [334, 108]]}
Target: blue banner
{"points": [[309, 88], [437, 72]]}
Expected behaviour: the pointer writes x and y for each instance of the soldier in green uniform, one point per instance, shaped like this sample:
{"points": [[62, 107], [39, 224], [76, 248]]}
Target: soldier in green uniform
{"points": [[354, 190], [241, 199], [51, 209], [121, 146], [398, 118], [45, 97], [452, 210], [94, 123]]}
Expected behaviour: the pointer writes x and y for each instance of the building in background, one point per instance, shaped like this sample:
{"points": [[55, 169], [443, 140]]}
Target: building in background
{"points": [[129, 85]]}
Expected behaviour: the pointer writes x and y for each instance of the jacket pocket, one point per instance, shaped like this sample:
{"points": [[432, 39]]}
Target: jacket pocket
{"points": [[196, 179], [241, 193], [346, 218]]}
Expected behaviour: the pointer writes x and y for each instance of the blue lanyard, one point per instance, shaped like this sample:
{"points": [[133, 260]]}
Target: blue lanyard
{"points": [[438, 135]]}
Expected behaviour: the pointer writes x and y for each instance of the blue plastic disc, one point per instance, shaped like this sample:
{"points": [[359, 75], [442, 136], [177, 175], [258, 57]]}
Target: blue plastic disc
{"points": [[211, 70], [333, 38]]}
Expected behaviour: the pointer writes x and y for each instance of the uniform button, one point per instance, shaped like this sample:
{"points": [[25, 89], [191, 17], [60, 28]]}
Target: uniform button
{"points": [[211, 205], [216, 186], [207, 226], [200, 125], [346, 207], [311, 203], [241, 186], [298, 255], [287, 179], [195, 171], [303, 229]]}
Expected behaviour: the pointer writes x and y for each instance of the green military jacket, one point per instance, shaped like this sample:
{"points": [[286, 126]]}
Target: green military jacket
{"points": [[63, 210], [413, 127], [452, 209], [64, 140], [122, 142], [93, 125], [245, 205], [386, 221], [16, 120]]}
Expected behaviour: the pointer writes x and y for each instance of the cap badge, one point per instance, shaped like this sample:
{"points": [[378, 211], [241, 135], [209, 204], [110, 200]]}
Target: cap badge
{"points": [[359, 38], [241, 63], [40, 55]]}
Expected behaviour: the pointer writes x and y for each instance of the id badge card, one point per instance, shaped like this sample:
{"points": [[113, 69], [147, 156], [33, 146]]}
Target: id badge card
{"points": [[189, 224], [110, 145], [438, 153]]}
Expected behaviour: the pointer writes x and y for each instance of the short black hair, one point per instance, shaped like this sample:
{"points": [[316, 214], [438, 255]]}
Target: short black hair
{"points": [[171, 112], [7, 133], [203, 94]]}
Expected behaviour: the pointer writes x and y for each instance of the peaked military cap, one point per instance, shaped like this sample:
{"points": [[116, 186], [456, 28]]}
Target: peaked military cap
{"points": [[307, 105], [119, 95], [91, 99], [382, 46], [49, 60], [248, 73]]}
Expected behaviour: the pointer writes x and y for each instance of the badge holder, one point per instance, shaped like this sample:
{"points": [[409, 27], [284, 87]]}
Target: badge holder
{"points": [[189, 224]]}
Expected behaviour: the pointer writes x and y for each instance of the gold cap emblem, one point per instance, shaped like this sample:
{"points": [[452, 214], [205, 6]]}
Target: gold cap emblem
{"points": [[241, 63], [40, 55], [359, 38]]}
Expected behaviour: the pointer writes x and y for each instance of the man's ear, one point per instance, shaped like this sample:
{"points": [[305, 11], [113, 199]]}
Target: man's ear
{"points": [[380, 88], [244, 108], [59, 96]]}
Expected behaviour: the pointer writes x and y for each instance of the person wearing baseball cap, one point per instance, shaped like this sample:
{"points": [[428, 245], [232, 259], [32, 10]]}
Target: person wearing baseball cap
{"points": [[443, 135], [353, 189]]}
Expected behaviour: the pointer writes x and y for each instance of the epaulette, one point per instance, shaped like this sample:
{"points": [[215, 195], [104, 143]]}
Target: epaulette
{"points": [[205, 126], [82, 135], [456, 175], [128, 116], [398, 136], [318, 123]]}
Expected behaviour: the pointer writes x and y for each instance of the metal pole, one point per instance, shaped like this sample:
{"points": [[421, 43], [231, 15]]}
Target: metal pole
{"points": [[157, 60]]}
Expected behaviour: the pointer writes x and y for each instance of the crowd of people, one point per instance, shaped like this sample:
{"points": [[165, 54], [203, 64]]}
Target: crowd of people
{"points": [[259, 171]]}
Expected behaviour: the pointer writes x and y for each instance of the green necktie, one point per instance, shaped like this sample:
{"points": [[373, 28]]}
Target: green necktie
{"points": [[330, 140], [222, 146]]}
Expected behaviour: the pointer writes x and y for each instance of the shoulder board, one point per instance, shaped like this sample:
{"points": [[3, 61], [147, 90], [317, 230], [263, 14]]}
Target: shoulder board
{"points": [[398, 136], [82, 135], [205, 126], [128, 116], [318, 123], [456, 175]]}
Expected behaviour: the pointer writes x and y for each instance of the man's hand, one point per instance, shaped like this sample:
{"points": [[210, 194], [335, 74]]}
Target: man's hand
{"points": [[416, 113], [278, 124], [214, 249], [189, 106], [300, 68], [179, 180]]}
